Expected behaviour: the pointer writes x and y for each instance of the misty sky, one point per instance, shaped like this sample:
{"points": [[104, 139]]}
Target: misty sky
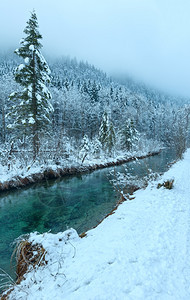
{"points": [[148, 39]]}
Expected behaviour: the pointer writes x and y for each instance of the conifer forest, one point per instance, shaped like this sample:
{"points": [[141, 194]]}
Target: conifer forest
{"points": [[64, 109]]}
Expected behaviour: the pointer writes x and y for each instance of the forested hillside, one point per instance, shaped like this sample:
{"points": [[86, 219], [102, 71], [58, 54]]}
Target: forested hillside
{"points": [[85, 102]]}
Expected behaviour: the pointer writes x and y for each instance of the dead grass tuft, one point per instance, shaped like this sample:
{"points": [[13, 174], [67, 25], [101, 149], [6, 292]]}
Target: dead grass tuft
{"points": [[168, 184], [83, 234], [28, 255]]}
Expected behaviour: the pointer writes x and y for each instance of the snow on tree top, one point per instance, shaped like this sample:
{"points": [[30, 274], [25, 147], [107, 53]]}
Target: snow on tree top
{"points": [[12, 94], [20, 67], [31, 47], [26, 60], [31, 120], [30, 87], [38, 97]]}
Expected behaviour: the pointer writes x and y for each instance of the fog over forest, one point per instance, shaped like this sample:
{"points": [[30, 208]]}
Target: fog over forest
{"points": [[147, 40]]}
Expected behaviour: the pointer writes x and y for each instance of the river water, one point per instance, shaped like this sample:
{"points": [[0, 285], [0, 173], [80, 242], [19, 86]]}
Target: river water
{"points": [[78, 201]]}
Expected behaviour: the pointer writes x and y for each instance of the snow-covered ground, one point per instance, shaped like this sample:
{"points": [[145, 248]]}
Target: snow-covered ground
{"points": [[140, 252]]}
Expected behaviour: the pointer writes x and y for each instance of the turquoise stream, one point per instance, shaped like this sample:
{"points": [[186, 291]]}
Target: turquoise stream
{"points": [[78, 201]]}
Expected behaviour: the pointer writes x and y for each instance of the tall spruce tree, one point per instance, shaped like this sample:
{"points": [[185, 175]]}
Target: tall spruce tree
{"points": [[129, 135], [107, 133], [31, 109]]}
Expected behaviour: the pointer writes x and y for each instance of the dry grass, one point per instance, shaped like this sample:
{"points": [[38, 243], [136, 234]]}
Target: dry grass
{"points": [[168, 184], [27, 256]]}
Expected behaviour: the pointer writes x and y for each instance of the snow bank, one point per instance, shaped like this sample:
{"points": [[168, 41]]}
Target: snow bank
{"points": [[140, 252], [20, 176]]}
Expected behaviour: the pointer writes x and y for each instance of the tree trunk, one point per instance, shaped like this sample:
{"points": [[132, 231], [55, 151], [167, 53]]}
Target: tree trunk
{"points": [[35, 138]]}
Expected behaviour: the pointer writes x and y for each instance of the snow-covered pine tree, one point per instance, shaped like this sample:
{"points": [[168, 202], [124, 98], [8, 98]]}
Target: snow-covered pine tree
{"points": [[96, 147], [107, 133], [103, 131], [85, 147], [129, 135], [111, 137], [31, 110], [94, 90]]}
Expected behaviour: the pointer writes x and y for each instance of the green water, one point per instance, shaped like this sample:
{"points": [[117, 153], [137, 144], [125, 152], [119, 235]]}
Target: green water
{"points": [[74, 201]]}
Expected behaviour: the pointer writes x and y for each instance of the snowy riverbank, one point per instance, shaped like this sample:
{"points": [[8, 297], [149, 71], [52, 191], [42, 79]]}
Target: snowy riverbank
{"points": [[140, 252], [22, 176]]}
